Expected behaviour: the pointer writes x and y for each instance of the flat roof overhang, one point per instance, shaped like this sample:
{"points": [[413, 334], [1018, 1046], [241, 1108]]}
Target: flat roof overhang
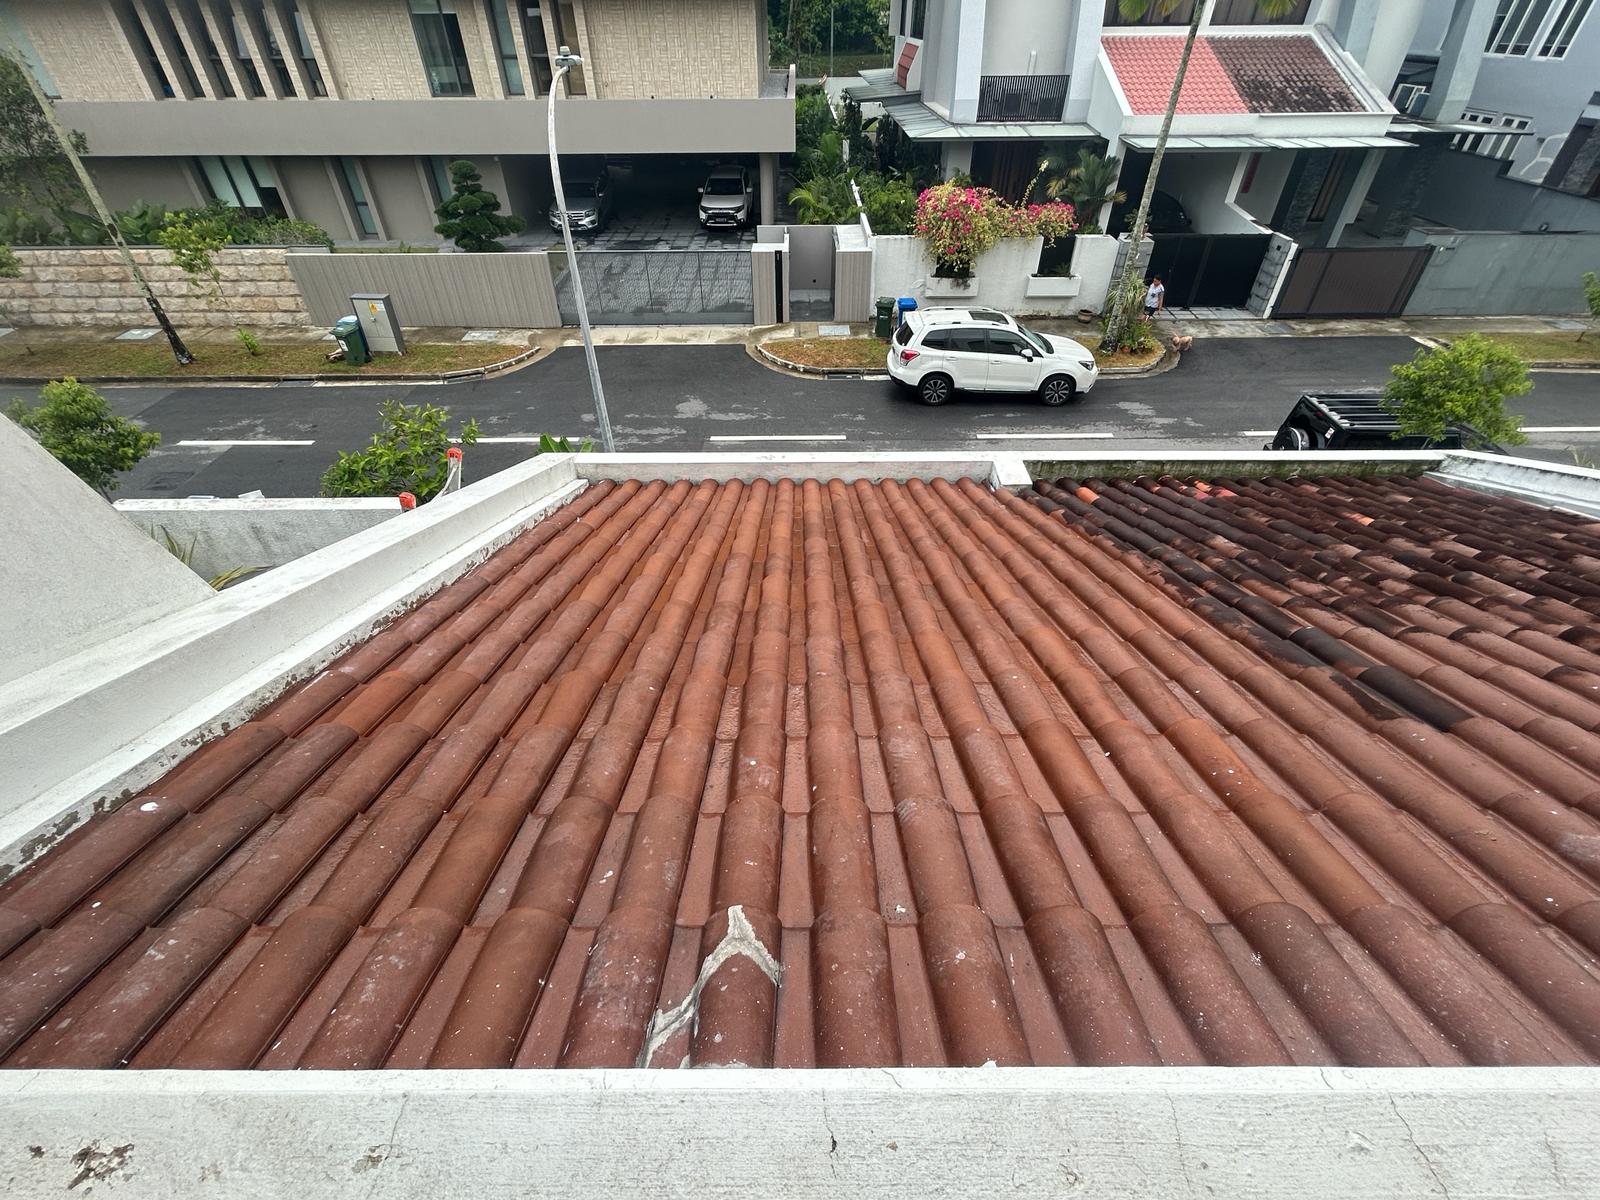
{"points": [[288, 128], [1251, 142]]}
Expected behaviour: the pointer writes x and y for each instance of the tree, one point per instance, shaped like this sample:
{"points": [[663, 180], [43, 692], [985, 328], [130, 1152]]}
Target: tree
{"points": [[1467, 382], [192, 241], [471, 216], [1132, 10], [74, 423], [407, 454], [34, 172], [1591, 297], [71, 146]]}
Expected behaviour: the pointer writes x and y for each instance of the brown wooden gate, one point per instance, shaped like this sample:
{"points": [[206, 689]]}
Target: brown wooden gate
{"points": [[1354, 281]]}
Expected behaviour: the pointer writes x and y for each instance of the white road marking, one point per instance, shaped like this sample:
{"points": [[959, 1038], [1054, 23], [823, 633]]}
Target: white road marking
{"points": [[1257, 432], [518, 440], [1561, 429], [244, 442], [779, 437], [1041, 437]]}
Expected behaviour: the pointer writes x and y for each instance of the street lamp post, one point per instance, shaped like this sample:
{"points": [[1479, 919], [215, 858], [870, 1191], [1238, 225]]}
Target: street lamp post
{"points": [[565, 61]]}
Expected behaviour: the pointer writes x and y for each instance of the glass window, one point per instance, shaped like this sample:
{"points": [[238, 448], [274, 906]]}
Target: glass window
{"points": [[242, 182], [208, 47], [12, 29], [567, 35], [968, 341], [538, 46], [919, 16], [308, 59], [357, 195], [439, 178], [937, 339], [444, 57], [167, 31], [505, 46], [1516, 22], [147, 50], [902, 334], [241, 51], [1003, 341], [1569, 16]]}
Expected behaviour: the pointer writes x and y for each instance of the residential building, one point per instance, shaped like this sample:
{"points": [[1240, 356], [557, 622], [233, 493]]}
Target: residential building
{"points": [[347, 112]]}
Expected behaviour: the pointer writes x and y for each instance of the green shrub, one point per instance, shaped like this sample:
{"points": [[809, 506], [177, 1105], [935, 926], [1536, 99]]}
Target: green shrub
{"points": [[471, 216], [250, 342], [74, 423], [407, 454], [1467, 382]]}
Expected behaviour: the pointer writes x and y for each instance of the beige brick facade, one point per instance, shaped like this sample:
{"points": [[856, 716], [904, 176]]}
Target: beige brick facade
{"points": [[88, 286], [678, 48], [371, 50], [84, 49]]}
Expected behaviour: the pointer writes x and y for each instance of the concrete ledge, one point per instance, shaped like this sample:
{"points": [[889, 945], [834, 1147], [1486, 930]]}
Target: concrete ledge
{"points": [[750, 465], [1576, 489], [81, 735], [255, 533], [1172, 1133], [1268, 463]]}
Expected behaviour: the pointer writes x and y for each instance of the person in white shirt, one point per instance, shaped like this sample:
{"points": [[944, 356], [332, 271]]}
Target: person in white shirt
{"points": [[1155, 298]]}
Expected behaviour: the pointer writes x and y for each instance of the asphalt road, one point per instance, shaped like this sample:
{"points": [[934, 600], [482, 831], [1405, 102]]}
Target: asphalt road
{"points": [[694, 398]]}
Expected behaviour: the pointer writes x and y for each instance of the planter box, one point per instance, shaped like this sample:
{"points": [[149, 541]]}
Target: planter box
{"points": [[1052, 287], [940, 288]]}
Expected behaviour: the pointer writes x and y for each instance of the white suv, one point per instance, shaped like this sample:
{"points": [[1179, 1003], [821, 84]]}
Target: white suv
{"points": [[940, 350]]}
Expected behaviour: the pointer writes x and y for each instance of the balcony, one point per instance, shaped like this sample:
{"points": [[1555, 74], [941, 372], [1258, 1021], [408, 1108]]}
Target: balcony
{"points": [[1003, 98]]}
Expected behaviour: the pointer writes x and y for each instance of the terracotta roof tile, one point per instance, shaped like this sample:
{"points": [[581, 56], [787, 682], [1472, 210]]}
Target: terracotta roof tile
{"points": [[1229, 73], [1108, 772]]}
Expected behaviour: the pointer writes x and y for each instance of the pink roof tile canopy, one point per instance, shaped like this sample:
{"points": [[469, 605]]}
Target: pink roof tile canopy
{"points": [[1230, 74]]}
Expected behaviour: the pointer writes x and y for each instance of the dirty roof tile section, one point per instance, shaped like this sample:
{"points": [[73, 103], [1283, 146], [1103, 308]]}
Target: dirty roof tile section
{"points": [[822, 774], [1230, 73]]}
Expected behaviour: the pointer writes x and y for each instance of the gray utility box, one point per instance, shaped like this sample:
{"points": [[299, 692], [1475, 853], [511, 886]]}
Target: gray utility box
{"points": [[379, 322]]}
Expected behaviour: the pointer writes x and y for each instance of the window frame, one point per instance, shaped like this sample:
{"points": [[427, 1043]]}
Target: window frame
{"points": [[444, 36], [1565, 23], [1516, 18], [498, 17], [355, 189], [994, 338]]}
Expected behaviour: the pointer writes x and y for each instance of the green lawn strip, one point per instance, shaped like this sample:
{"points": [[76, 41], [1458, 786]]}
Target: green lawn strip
{"points": [[858, 353], [1550, 347], [94, 359]]}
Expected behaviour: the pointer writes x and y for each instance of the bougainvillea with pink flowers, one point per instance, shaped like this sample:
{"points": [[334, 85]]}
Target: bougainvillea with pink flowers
{"points": [[959, 223]]}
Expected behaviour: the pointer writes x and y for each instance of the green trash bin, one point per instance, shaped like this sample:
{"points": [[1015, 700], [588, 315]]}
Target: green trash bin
{"points": [[883, 324], [347, 332]]}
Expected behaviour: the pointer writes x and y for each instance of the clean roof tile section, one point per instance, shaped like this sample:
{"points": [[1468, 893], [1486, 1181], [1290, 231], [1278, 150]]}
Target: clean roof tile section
{"points": [[793, 774], [1230, 73]]}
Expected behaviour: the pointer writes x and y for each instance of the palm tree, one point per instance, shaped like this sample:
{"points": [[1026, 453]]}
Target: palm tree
{"points": [[1132, 10], [1088, 185]]}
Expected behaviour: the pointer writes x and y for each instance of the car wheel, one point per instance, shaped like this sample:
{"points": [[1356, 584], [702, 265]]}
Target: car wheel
{"points": [[1295, 437], [935, 389], [1057, 390]]}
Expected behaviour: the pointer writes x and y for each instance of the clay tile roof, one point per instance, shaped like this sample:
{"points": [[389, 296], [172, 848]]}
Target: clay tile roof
{"points": [[1230, 73], [823, 774]]}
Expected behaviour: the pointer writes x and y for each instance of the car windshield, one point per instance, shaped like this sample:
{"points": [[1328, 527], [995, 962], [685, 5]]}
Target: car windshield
{"points": [[1037, 339], [580, 189], [726, 185]]}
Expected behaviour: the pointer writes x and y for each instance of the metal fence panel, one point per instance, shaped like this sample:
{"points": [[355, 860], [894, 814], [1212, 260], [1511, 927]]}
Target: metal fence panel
{"points": [[506, 291]]}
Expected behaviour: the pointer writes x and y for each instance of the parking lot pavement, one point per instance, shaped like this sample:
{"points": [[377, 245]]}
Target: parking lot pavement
{"points": [[651, 227]]}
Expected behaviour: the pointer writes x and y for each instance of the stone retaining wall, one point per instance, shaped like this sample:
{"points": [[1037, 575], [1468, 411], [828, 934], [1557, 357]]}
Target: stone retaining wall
{"points": [[88, 285]]}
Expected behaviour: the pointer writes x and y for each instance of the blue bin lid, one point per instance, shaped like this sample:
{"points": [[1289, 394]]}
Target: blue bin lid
{"points": [[907, 302]]}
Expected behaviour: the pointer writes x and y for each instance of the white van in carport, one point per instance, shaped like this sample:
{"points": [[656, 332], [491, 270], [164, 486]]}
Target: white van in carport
{"points": [[940, 351]]}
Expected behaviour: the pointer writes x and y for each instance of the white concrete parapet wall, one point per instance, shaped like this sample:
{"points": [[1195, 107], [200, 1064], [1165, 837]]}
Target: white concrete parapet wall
{"points": [[1109, 1133], [1003, 275], [264, 533]]}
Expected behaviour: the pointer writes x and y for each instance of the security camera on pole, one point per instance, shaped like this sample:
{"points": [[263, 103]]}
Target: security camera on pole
{"points": [[565, 61]]}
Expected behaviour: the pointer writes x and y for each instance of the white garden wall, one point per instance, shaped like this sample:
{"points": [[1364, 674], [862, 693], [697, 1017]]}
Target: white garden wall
{"points": [[1004, 275]]}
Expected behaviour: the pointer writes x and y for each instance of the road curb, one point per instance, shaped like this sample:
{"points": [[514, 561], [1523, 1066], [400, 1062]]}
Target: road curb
{"points": [[1168, 360], [323, 377]]}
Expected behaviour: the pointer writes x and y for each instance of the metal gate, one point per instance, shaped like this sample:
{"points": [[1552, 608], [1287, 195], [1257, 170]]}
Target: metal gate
{"points": [[659, 287], [1366, 281], [811, 272], [1208, 270]]}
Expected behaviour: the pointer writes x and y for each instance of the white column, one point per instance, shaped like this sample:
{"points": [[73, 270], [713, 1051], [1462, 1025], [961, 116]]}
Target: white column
{"points": [[1394, 25], [1459, 60], [1083, 44], [769, 189], [1334, 229], [969, 61], [957, 158]]}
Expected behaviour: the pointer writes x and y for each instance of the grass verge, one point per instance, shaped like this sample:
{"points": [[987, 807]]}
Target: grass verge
{"points": [[90, 359], [857, 353], [1139, 358], [1550, 347]]}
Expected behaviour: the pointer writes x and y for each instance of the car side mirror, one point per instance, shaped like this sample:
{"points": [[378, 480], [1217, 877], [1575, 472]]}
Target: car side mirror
{"points": [[702, 191], [1028, 354]]}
